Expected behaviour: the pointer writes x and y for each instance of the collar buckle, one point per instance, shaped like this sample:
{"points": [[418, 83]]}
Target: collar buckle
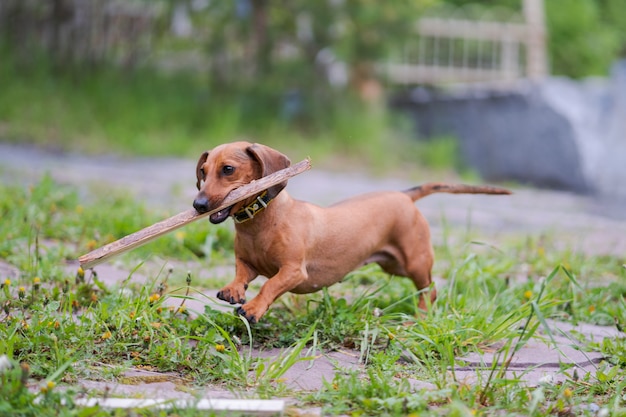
{"points": [[248, 212]]}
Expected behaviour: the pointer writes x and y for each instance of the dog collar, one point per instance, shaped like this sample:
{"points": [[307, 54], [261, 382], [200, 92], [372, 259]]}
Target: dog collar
{"points": [[248, 212]]}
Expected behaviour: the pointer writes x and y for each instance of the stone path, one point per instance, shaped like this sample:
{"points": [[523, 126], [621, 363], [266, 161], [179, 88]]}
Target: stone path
{"points": [[586, 223], [582, 223]]}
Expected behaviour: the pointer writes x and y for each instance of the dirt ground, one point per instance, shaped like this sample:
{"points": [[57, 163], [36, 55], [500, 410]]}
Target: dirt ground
{"points": [[582, 223]]}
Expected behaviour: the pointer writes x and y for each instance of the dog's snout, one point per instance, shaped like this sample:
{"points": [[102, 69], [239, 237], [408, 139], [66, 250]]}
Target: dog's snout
{"points": [[201, 204]]}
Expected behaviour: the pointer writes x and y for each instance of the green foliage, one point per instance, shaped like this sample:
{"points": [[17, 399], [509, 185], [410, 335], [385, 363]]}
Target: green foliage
{"points": [[379, 393], [355, 30], [612, 14], [147, 113], [369, 30], [582, 39], [58, 325], [39, 220], [16, 399], [253, 90], [440, 154], [283, 100], [139, 112]]}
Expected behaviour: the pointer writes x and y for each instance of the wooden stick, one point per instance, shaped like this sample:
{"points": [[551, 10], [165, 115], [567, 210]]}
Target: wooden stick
{"points": [[150, 233]]}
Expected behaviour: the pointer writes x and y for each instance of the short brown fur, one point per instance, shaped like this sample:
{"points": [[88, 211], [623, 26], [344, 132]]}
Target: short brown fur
{"points": [[302, 247]]}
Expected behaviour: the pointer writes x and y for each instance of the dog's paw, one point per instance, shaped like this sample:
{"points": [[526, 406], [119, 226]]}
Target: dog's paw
{"points": [[250, 317], [231, 296]]}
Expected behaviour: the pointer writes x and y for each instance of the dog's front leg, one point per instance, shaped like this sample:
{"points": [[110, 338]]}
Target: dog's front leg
{"points": [[285, 280], [235, 292]]}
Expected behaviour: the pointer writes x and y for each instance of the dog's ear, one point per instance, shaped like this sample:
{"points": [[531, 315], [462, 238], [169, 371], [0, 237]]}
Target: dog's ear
{"points": [[271, 161], [200, 174]]}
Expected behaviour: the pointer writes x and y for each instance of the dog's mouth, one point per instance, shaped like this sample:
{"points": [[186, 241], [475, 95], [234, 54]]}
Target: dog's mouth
{"points": [[220, 216]]}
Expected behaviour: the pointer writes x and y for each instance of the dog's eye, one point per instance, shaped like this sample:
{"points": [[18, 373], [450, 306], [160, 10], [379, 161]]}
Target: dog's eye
{"points": [[202, 174], [228, 169]]}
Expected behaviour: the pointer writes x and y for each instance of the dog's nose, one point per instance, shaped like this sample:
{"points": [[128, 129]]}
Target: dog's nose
{"points": [[201, 204]]}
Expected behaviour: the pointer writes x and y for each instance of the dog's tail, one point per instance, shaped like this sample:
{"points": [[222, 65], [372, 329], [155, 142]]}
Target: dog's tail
{"points": [[438, 187]]}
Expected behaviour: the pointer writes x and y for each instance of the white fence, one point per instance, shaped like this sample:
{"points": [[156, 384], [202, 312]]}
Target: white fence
{"points": [[83, 30], [452, 50]]}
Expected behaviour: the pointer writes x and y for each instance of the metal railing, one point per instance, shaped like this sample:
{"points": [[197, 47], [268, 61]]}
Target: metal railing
{"points": [[453, 50]]}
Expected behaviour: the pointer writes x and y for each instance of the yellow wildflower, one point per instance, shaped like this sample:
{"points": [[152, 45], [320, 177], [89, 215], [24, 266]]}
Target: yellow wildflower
{"points": [[220, 348], [567, 393], [528, 294], [47, 388], [25, 367], [106, 335]]}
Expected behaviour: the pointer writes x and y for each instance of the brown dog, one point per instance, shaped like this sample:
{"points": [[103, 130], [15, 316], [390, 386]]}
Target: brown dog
{"points": [[303, 248]]}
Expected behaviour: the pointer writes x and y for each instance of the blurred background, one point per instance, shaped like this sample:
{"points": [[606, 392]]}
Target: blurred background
{"points": [[532, 91]]}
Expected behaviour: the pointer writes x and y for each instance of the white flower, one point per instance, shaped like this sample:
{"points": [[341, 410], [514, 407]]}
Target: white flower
{"points": [[5, 363], [547, 379]]}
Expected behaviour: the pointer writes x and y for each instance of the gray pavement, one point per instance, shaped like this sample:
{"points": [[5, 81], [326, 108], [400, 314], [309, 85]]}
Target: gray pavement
{"points": [[586, 223], [582, 223]]}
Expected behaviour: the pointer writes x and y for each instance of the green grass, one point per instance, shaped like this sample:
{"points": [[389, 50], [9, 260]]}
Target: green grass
{"points": [[49, 223], [58, 325], [152, 114]]}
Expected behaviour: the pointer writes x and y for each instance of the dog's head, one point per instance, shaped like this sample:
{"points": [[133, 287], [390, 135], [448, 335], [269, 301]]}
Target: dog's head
{"points": [[230, 166]]}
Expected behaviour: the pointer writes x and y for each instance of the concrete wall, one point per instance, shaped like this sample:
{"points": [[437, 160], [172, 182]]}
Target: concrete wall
{"points": [[557, 133]]}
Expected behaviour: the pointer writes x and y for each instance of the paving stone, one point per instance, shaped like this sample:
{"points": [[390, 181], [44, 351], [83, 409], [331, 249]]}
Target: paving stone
{"points": [[581, 223], [544, 358]]}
